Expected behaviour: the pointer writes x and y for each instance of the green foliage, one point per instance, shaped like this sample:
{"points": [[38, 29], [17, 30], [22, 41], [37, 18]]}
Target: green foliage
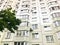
{"points": [[8, 20], [31, 29]]}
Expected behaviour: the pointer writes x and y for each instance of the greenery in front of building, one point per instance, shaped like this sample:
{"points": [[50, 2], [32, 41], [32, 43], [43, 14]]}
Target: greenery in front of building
{"points": [[8, 20]]}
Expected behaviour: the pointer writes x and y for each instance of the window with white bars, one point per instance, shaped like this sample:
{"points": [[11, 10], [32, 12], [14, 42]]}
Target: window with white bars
{"points": [[52, 3], [54, 8], [8, 35], [23, 33], [55, 15], [20, 43], [24, 16]]}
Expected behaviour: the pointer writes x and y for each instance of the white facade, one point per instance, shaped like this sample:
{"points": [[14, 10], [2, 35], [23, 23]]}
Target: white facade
{"points": [[43, 16]]}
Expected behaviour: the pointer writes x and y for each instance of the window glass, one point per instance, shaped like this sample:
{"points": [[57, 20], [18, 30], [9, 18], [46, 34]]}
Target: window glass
{"points": [[55, 15], [52, 3], [49, 38], [58, 35], [45, 20], [57, 23], [34, 26], [8, 35], [24, 23], [22, 33], [54, 8], [20, 43], [5, 44], [35, 35], [35, 44]]}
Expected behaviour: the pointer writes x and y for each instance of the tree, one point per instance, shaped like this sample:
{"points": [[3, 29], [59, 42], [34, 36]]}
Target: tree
{"points": [[8, 20], [31, 29]]}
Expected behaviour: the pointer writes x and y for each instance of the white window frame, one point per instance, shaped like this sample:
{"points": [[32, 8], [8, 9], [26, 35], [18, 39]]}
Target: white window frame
{"points": [[34, 26], [35, 35], [8, 35], [20, 43], [58, 35], [23, 33], [57, 23], [49, 38]]}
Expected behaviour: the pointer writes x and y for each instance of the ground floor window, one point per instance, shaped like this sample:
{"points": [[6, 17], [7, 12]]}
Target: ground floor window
{"points": [[35, 44], [20, 43], [5, 44]]}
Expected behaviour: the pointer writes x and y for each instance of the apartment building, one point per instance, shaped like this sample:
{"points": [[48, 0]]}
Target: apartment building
{"points": [[42, 16]]}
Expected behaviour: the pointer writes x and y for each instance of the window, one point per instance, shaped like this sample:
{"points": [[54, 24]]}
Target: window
{"points": [[58, 35], [24, 16], [42, 4], [45, 20], [18, 0], [33, 8], [8, 35], [35, 44], [52, 3], [20, 43], [33, 11], [34, 17], [5, 44], [49, 38], [35, 35], [25, 2], [0, 3], [54, 8], [33, 4], [24, 23], [43, 8], [1, 0], [55, 15], [17, 6], [9, 5], [47, 27], [44, 12], [57, 23], [25, 6], [34, 26], [4, 5], [22, 33], [25, 11], [40, 0], [33, 0]]}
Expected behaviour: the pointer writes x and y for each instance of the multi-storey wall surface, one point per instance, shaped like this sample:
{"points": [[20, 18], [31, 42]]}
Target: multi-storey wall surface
{"points": [[42, 16]]}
